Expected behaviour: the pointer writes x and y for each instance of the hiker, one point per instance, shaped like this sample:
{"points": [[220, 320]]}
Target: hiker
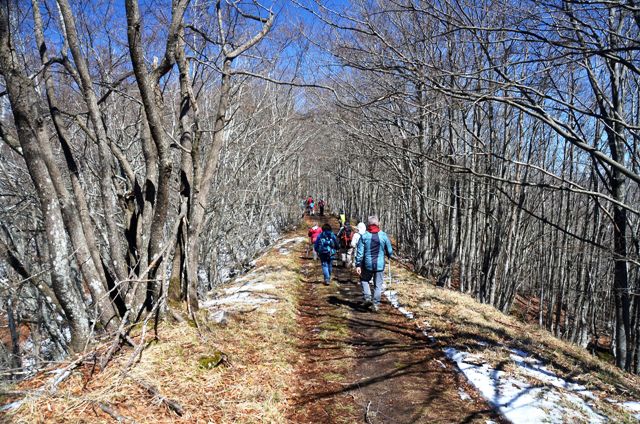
{"points": [[313, 234], [326, 245], [344, 237], [343, 218], [372, 248], [308, 204], [321, 206], [354, 243], [312, 208], [303, 206]]}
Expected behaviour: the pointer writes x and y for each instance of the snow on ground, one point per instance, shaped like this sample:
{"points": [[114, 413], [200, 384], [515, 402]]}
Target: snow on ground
{"points": [[550, 400], [284, 246], [392, 297], [293, 240], [534, 394], [632, 408], [244, 292], [248, 290], [536, 369], [463, 395]]}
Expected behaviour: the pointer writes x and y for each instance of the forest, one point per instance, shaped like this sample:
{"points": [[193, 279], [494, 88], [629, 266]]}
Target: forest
{"points": [[150, 149]]}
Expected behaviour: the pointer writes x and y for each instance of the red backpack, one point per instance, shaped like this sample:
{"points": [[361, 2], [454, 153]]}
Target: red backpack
{"points": [[346, 236]]}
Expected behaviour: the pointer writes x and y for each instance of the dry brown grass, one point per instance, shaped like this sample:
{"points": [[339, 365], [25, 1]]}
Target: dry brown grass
{"points": [[260, 382], [254, 387], [457, 320]]}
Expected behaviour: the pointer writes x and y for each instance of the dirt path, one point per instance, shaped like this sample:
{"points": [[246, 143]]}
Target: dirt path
{"points": [[369, 367]]}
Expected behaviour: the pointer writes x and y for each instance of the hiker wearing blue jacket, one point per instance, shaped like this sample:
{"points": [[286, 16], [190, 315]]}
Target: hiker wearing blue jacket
{"points": [[373, 246], [326, 245]]}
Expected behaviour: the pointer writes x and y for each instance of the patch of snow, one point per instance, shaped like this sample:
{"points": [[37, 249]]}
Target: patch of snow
{"points": [[272, 231], [463, 395], [554, 400], [521, 402], [28, 361], [249, 287], [632, 408], [534, 368], [293, 240], [244, 298], [219, 317], [519, 352], [392, 297]]}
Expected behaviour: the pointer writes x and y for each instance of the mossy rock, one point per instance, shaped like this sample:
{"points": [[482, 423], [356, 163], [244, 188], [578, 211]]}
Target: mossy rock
{"points": [[212, 361]]}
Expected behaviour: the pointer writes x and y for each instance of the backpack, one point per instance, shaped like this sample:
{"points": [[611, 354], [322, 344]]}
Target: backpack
{"points": [[326, 247], [346, 236]]}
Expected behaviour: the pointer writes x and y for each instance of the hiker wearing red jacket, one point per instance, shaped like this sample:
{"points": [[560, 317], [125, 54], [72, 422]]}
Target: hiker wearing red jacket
{"points": [[313, 234], [310, 205]]}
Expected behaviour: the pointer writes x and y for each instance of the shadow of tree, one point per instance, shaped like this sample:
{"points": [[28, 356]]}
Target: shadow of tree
{"points": [[398, 359]]}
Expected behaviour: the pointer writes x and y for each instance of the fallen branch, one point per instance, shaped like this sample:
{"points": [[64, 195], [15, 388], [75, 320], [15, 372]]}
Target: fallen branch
{"points": [[176, 316], [152, 390], [366, 414], [52, 386], [108, 409], [139, 347], [14, 393], [117, 342]]}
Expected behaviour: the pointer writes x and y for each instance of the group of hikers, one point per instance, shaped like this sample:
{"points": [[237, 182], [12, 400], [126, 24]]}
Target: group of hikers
{"points": [[364, 249], [309, 206]]}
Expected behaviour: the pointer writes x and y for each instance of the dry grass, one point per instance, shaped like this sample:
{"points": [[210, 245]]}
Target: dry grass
{"points": [[254, 387], [260, 383], [457, 320]]}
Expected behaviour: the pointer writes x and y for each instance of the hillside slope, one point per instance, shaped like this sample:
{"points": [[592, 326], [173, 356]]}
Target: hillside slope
{"points": [[275, 345]]}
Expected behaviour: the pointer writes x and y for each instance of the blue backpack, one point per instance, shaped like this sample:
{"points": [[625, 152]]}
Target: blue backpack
{"points": [[327, 245]]}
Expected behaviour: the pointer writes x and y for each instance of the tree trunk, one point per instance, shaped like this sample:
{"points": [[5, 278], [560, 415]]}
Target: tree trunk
{"points": [[31, 134]]}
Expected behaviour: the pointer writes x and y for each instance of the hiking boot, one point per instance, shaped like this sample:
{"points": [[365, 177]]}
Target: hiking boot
{"points": [[367, 304], [375, 308], [326, 283]]}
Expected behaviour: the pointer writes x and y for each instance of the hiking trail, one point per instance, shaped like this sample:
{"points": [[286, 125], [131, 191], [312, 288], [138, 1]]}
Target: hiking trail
{"points": [[362, 366], [276, 345]]}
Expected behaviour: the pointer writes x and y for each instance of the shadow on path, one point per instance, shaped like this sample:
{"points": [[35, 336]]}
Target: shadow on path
{"points": [[370, 367]]}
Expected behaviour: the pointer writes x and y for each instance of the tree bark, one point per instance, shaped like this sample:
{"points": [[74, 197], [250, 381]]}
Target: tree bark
{"points": [[32, 134]]}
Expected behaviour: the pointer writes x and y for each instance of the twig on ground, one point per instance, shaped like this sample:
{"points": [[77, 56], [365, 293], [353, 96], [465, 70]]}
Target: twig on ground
{"points": [[176, 315], [140, 346], [171, 404], [108, 409], [52, 386], [117, 342], [13, 393], [366, 414]]}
